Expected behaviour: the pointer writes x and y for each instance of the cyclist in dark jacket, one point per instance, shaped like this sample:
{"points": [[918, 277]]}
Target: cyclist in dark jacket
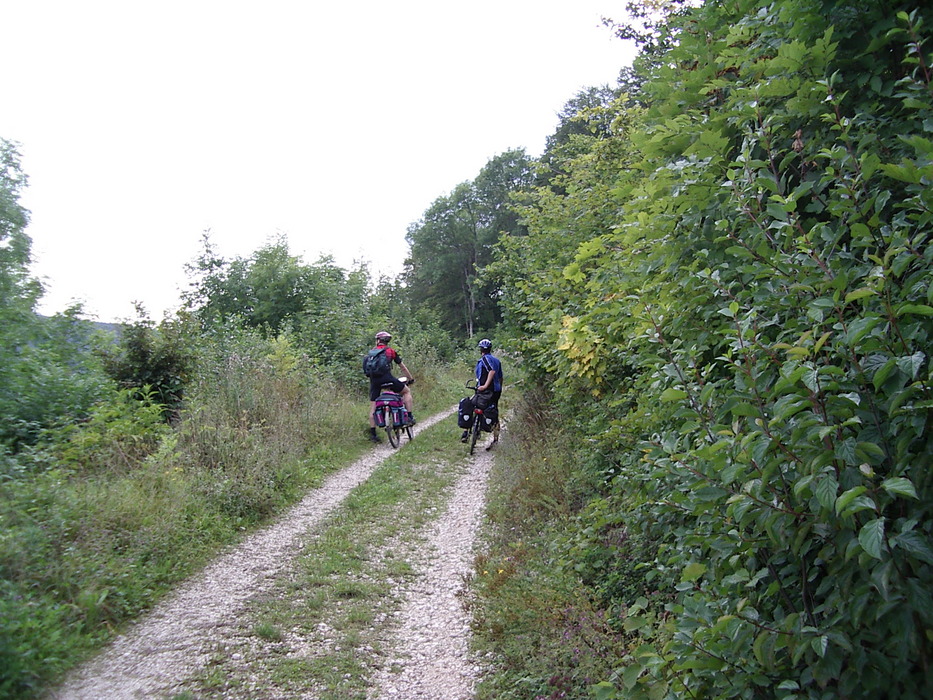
{"points": [[376, 383]]}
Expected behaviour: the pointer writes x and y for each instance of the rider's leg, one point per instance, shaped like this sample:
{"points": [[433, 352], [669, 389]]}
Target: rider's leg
{"points": [[372, 423], [407, 400], [496, 395]]}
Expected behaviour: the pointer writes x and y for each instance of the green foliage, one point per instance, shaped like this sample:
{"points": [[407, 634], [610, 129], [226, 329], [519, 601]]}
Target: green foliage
{"points": [[272, 290], [419, 328], [590, 114], [330, 313], [18, 292], [648, 25], [117, 436], [47, 371], [540, 274], [155, 358], [744, 283], [253, 412], [266, 291], [50, 375]]}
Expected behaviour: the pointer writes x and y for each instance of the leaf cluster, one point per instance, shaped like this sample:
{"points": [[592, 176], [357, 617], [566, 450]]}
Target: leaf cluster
{"points": [[48, 372]]}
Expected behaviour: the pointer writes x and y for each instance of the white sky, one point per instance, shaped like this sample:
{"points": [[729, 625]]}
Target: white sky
{"points": [[337, 124]]}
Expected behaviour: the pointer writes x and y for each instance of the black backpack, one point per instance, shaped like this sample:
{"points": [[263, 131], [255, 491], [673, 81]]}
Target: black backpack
{"points": [[376, 363]]}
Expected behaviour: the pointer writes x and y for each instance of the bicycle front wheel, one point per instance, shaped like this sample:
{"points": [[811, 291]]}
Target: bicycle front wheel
{"points": [[391, 430]]}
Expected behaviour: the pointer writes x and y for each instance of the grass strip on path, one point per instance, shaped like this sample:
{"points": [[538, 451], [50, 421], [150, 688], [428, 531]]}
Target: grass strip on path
{"points": [[321, 630]]}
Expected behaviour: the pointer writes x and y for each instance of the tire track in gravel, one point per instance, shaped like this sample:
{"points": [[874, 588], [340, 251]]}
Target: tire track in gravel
{"points": [[174, 640], [430, 657]]}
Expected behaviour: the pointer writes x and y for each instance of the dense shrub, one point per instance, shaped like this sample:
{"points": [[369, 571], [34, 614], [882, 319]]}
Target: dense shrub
{"points": [[158, 358], [749, 295]]}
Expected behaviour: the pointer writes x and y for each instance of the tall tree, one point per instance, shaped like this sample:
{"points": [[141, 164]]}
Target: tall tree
{"points": [[267, 291], [442, 258], [18, 291], [275, 292], [452, 244]]}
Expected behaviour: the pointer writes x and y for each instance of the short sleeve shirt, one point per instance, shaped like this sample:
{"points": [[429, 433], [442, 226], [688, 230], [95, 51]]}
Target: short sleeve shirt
{"points": [[482, 370], [390, 353]]}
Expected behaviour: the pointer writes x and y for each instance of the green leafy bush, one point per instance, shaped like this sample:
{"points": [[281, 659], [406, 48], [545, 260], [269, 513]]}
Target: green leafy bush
{"points": [[158, 358], [756, 307], [118, 434]]}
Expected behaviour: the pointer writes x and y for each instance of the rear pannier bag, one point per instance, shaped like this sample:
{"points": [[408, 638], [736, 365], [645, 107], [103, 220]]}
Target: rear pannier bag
{"points": [[465, 413], [483, 398], [489, 418], [393, 401], [389, 399]]}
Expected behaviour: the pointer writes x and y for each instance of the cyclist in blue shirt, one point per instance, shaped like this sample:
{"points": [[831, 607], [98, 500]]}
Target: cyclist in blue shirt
{"points": [[488, 376]]}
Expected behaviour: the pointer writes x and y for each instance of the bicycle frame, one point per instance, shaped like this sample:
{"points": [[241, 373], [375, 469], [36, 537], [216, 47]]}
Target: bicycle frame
{"points": [[477, 426]]}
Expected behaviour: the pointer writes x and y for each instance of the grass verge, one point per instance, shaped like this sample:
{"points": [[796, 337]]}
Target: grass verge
{"points": [[534, 616]]}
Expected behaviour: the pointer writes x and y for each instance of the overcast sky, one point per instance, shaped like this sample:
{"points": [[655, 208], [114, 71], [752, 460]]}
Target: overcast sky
{"points": [[336, 124]]}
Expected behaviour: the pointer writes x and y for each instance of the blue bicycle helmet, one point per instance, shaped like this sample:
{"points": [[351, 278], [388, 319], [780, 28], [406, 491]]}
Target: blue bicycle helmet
{"points": [[485, 344]]}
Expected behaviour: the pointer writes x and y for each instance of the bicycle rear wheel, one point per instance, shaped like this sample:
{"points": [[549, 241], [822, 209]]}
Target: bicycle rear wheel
{"points": [[474, 433], [391, 430]]}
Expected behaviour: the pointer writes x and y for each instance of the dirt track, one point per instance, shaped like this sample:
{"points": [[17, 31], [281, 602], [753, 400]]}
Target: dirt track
{"points": [[170, 645]]}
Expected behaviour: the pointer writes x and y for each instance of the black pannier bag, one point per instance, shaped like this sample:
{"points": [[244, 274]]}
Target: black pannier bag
{"points": [[465, 413], [489, 418], [483, 398]]}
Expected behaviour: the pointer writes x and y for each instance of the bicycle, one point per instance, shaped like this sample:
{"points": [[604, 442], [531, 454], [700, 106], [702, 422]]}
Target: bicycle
{"points": [[478, 420], [390, 414]]}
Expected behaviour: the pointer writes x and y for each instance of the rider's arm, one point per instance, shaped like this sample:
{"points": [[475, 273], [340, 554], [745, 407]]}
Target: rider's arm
{"points": [[490, 375], [405, 371]]}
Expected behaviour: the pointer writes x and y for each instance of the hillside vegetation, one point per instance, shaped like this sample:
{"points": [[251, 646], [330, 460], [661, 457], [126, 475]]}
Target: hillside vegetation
{"points": [[713, 296]]}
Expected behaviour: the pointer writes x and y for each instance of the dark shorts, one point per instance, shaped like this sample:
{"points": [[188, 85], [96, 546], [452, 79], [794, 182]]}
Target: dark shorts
{"points": [[376, 383]]}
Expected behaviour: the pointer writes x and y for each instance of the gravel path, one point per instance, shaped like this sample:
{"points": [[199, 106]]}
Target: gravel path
{"points": [[432, 648], [175, 640]]}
